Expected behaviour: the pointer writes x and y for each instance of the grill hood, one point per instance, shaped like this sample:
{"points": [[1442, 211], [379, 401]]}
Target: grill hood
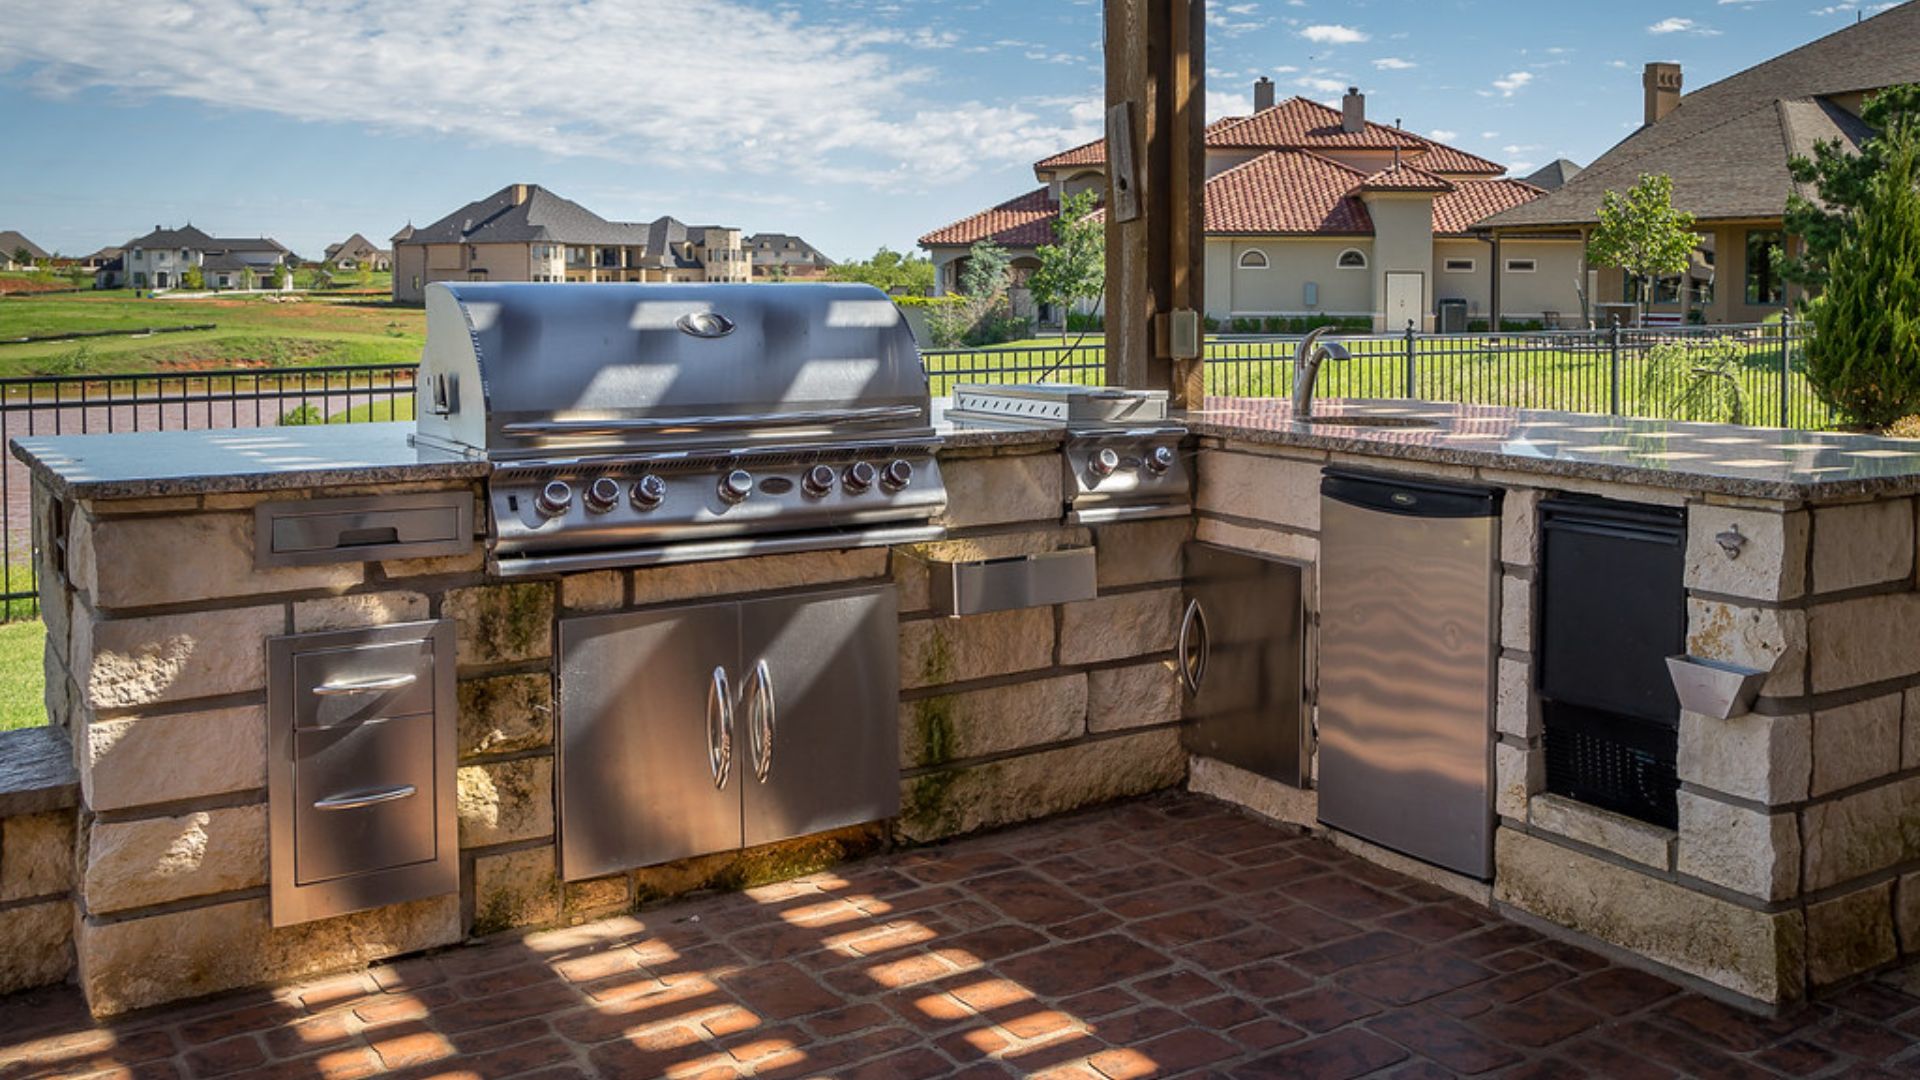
{"points": [[531, 370]]}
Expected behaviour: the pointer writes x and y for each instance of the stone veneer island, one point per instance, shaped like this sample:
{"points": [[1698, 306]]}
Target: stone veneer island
{"points": [[1796, 863]]}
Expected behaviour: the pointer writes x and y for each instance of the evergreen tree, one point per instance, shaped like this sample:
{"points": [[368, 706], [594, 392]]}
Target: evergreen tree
{"points": [[1864, 356], [1841, 177]]}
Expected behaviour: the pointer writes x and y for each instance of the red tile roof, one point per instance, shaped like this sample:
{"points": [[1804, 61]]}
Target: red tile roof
{"points": [[1441, 158], [1025, 221], [1473, 201], [1297, 122], [1404, 177], [1093, 153], [1287, 191]]}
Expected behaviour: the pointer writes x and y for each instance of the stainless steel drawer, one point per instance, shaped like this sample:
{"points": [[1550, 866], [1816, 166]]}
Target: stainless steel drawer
{"points": [[362, 681], [363, 797], [314, 531]]}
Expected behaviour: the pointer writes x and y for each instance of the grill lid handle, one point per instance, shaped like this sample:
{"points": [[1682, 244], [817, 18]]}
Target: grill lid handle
{"points": [[870, 414]]}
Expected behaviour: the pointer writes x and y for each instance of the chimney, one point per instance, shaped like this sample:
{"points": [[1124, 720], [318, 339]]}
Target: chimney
{"points": [[1262, 94], [1353, 111], [520, 193], [1662, 84]]}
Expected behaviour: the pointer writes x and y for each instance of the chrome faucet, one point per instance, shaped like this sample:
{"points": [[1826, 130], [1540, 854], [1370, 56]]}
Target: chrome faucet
{"points": [[1306, 369]]}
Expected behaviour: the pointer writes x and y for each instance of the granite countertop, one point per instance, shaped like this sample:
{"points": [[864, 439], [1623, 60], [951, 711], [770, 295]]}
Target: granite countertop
{"points": [[1770, 463], [145, 464]]}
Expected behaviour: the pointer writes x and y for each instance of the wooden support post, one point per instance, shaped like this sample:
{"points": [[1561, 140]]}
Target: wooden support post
{"points": [[1156, 261]]}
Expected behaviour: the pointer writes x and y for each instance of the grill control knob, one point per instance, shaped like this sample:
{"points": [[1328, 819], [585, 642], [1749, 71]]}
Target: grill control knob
{"points": [[603, 495], [818, 482], [1159, 459], [860, 476], [1104, 462], [555, 499], [736, 486], [898, 474], [648, 492]]}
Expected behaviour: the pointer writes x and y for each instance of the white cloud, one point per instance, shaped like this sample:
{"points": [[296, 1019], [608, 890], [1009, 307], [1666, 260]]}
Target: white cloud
{"points": [[1522, 167], [1675, 25], [1333, 34], [1393, 63], [1512, 83], [1489, 134], [1443, 135], [851, 102], [1233, 19], [1320, 84]]}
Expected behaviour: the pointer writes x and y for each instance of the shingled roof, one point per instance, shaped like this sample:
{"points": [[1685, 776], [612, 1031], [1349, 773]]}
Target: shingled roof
{"points": [[541, 217], [1726, 145], [11, 241], [1301, 124]]}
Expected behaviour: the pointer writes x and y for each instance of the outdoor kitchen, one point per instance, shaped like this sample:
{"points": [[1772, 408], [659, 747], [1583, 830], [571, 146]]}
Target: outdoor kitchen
{"points": [[681, 589]]}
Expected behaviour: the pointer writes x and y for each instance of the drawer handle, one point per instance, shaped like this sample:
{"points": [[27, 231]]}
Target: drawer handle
{"points": [[356, 800], [371, 685]]}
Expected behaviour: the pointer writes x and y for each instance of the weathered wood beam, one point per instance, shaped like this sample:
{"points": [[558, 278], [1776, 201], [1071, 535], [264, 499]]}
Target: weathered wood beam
{"points": [[1156, 260]]}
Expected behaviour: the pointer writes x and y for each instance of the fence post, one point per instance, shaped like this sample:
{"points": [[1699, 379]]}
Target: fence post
{"points": [[1786, 367], [1613, 351], [1410, 361]]}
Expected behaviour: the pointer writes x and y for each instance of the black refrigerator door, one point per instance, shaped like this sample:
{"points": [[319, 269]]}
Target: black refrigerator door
{"points": [[1242, 660], [1613, 606]]}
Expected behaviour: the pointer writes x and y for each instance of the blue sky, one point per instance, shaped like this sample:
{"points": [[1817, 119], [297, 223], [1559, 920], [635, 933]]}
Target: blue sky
{"points": [[855, 123]]}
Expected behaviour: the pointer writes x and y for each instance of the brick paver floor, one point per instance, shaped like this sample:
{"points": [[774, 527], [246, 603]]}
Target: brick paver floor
{"points": [[1160, 937]]}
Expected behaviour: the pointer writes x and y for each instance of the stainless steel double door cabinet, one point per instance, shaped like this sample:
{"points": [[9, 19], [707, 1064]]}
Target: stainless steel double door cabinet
{"points": [[710, 727], [1408, 588], [1242, 659]]}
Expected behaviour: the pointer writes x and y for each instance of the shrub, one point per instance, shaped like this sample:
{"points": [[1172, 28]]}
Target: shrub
{"points": [[1081, 323], [1212, 324], [1245, 325], [302, 416], [1907, 427], [1695, 383]]}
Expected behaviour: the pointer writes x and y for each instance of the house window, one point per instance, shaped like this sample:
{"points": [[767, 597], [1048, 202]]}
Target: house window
{"points": [[1763, 281], [1253, 259], [138, 255], [1458, 266], [1522, 266], [1352, 259]]}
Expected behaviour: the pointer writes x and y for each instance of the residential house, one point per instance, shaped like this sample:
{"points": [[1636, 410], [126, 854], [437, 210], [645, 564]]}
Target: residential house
{"points": [[99, 259], [1553, 175], [19, 253], [784, 257], [1315, 211], [161, 259], [523, 232], [1726, 146], [357, 252]]}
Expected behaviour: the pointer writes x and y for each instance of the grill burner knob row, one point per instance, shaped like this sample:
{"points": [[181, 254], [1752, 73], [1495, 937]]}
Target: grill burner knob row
{"points": [[860, 477], [1104, 462], [1159, 460], [555, 499], [898, 474], [736, 486], [648, 492], [818, 481], [603, 495]]}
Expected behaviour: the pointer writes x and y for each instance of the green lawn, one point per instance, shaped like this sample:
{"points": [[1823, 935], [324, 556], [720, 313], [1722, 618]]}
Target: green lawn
{"points": [[21, 680], [250, 331]]}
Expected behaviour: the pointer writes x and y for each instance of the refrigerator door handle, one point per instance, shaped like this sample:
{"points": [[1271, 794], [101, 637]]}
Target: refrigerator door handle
{"points": [[1193, 666], [720, 743]]}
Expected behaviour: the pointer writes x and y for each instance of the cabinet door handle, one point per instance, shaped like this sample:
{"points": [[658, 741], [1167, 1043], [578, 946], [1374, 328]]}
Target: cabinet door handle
{"points": [[761, 720], [357, 799], [719, 742], [1193, 666], [371, 684]]}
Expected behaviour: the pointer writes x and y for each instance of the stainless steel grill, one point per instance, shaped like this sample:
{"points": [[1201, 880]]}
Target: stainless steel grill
{"points": [[1123, 455], [633, 424]]}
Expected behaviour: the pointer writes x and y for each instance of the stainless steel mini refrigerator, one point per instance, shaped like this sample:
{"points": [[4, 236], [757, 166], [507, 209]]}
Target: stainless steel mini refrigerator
{"points": [[1409, 585]]}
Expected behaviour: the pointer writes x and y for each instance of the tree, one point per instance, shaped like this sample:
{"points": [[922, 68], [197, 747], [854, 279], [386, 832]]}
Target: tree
{"points": [[1863, 357], [890, 272], [1642, 234], [982, 315], [22, 256], [1841, 177], [1074, 267], [279, 277], [193, 278]]}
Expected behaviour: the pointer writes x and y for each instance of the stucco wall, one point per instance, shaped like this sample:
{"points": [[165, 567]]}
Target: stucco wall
{"points": [[1280, 289], [1552, 286], [1476, 288], [1402, 242]]}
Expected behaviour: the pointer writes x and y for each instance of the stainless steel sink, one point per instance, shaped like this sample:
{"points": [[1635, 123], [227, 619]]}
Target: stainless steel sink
{"points": [[1370, 421]]}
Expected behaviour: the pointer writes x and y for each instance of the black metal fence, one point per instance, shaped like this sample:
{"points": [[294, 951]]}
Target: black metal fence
{"points": [[1626, 371], [87, 404], [1746, 374]]}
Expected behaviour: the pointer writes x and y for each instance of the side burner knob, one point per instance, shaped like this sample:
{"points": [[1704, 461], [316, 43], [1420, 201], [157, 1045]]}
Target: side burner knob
{"points": [[648, 492], [736, 486], [898, 474], [1159, 459], [860, 476], [1104, 462], [818, 482], [603, 495], [555, 499]]}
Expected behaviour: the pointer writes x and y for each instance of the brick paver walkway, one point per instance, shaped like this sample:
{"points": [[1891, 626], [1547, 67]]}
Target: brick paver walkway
{"points": [[1155, 938]]}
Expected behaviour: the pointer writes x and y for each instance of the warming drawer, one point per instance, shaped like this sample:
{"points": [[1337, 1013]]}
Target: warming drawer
{"points": [[360, 777]]}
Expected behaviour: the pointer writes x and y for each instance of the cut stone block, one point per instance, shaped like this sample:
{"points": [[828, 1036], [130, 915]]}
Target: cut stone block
{"points": [[143, 760], [1771, 566], [154, 861], [1739, 849], [1002, 490], [976, 723]]}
